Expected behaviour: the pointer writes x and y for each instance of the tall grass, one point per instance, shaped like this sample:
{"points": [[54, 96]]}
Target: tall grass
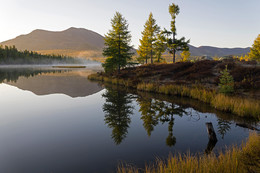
{"points": [[240, 106], [236, 159], [235, 105]]}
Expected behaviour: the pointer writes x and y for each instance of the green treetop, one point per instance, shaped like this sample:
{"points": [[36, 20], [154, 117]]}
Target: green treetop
{"points": [[117, 44], [174, 44], [255, 50], [151, 29]]}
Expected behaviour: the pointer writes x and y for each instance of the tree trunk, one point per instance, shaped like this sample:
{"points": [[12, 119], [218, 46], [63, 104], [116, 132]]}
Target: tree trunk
{"points": [[119, 50], [173, 59], [151, 57], [146, 59], [118, 70], [212, 138], [211, 132], [173, 51]]}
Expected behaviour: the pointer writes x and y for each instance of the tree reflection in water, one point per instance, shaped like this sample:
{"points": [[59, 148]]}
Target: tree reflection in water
{"points": [[155, 111], [223, 127], [118, 109], [13, 74]]}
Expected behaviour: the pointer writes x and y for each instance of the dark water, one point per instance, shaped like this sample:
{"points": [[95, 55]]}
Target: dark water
{"points": [[58, 121]]}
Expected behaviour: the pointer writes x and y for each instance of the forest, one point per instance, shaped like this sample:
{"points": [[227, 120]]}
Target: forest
{"points": [[10, 55]]}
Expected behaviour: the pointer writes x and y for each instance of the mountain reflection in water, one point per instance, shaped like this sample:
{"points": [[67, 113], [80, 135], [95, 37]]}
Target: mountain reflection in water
{"points": [[72, 83]]}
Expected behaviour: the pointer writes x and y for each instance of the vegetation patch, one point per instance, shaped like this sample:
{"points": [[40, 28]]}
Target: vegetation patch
{"points": [[189, 80], [235, 159]]}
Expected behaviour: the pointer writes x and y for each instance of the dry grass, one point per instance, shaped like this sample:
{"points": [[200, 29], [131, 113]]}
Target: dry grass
{"points": [[235, 105], [236, 159], [240, 106]]}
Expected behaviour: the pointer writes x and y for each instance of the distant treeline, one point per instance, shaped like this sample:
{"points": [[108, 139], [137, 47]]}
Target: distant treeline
{"points": [[10, 55]]}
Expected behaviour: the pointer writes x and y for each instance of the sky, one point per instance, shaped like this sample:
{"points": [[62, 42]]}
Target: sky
{"points": [[219, 23]]}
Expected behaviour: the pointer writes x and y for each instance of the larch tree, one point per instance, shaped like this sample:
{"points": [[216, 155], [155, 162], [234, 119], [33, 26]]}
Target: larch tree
{"points": [[143, 49], [160, 46], [174, 44], [147, 43], [254, 53], [185, 55], [117, 44]]}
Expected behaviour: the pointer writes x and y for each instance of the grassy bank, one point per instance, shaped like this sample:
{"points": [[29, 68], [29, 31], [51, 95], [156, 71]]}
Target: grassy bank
{"points": [[236, 159], [240, 106]]}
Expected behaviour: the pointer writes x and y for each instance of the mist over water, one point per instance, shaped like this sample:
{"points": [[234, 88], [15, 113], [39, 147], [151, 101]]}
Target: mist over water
{"points": [[78, 62]]}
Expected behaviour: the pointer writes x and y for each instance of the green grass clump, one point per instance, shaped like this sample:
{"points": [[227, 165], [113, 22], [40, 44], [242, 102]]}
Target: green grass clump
{"points": [[236, 159]]}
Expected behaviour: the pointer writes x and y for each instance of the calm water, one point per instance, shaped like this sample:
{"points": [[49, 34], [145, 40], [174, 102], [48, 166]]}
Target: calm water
{"points": [[58, 121]]}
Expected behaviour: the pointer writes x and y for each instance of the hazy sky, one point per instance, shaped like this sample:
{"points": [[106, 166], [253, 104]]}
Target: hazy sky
{"points": [[221, 23]]}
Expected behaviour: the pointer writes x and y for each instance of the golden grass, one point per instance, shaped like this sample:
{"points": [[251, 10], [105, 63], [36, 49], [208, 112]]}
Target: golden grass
{"points": [[236, 159], [235, 105]]}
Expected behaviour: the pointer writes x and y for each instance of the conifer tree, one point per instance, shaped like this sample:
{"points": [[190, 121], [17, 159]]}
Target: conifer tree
{"points": [[160, 46], [254, 53], [174, 44], [151, 29], [143, 50], [117, 44], [226, 85]]}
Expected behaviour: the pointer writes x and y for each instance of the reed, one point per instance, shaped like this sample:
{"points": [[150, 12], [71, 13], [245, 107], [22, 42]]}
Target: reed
{"points": [[235, 159]]}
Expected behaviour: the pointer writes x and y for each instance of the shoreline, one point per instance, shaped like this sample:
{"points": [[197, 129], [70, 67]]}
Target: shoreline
{"points": [[240, 106]]}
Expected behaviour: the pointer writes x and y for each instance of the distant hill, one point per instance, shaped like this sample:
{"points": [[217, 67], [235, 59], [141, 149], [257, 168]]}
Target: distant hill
{"points": [[215, 51], [73, 42], [80, 42]]}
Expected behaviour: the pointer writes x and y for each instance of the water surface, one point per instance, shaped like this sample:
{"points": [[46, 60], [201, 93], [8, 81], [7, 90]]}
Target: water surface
{"points": [[58, 121]]}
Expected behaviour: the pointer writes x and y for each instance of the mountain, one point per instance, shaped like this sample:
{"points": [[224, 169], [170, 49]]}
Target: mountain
{"points": [[215, 51], [72, 41], [80, 42]]}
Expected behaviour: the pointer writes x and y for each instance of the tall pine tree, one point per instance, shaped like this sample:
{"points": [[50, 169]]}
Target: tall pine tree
{"points": [[174, 44], [117, 44], [151, 29]]}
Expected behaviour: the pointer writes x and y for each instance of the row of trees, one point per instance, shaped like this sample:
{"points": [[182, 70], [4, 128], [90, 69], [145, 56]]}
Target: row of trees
{"points": [[153, 43], [10, 55]]}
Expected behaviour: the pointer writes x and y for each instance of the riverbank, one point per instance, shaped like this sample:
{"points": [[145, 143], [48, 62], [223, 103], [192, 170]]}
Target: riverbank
{"points": [[195, 80], [235, 159]]}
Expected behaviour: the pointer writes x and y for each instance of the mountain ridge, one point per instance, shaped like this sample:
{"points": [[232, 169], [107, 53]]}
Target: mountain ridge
{"points": [[82, 42]]}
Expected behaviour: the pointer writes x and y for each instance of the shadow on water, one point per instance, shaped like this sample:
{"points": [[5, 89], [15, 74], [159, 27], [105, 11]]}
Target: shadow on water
{"points": [[158, 109]]}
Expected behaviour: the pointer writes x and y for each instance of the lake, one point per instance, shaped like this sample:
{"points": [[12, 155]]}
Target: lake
{"points": [[56, 120]]}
